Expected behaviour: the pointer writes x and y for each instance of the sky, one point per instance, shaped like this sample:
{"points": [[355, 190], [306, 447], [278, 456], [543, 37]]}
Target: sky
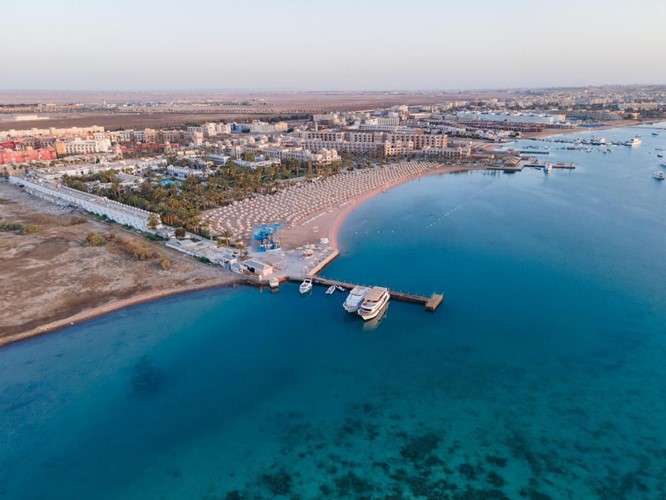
{"points": [[330, 45]]}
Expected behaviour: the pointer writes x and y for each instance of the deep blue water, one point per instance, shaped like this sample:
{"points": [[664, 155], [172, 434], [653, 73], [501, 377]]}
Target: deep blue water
{"points": [[541, 376]]}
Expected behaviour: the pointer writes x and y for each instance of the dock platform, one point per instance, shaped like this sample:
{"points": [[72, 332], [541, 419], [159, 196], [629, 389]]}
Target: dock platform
{"points": [[431, 303]]}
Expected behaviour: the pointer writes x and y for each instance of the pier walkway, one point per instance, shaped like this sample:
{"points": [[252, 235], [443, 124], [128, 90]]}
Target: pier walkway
{"points": [[431, 303]]}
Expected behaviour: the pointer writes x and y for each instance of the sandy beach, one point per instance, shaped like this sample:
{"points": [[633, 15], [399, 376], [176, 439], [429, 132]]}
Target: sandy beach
{"points": [[331, 219], [314, 209]]}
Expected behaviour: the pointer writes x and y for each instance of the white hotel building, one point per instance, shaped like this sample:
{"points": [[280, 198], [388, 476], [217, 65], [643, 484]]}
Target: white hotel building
{"points": [[80, 146], [61, 195]]}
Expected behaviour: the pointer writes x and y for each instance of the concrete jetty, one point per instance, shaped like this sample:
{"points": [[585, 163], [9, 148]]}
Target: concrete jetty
{"points": [[431, 303]]}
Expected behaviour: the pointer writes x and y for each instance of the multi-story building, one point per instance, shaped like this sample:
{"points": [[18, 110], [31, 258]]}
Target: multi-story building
{"points": [[321, 157], [80, 146]]}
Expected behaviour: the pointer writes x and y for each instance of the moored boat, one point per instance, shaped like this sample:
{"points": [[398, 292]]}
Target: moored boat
{"points": [[330, 290], [355, 298], [274, 283], [377, 298], [659, 175], [306, 286]]}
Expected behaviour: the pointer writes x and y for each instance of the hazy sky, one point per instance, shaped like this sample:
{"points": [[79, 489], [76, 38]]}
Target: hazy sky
{"points": [[336, 44]]}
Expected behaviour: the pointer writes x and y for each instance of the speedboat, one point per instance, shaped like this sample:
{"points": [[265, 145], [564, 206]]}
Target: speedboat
{"points": [[355, 298], [306, 286], [330, 290], [660, 176], [377, 298]]}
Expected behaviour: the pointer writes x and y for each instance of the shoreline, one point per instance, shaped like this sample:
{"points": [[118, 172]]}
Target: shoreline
{"points": [[326, 222], [97, 312], [342, 213], [332, 220], [576, 130]]}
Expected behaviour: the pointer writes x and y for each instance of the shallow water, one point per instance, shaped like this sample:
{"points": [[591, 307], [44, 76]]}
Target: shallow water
{"points": [[541, 376]]}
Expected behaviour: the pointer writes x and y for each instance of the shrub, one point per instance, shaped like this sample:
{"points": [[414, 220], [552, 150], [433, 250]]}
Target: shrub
{"points": [[165, 264], [138, 250], [77, 220], [30, 229], [18, 227], [95, 240]]}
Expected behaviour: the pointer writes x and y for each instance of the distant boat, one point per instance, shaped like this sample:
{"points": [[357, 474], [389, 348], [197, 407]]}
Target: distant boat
{"points": [[374, 302], [355, 298], [655, 133], [306, 286], [633, 142], [330, 290], [547, 168], [274, 283], [660, 176], [342, 289]]}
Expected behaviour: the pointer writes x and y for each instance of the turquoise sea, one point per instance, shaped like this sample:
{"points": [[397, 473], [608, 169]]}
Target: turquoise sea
{"points": [[543, 375]]}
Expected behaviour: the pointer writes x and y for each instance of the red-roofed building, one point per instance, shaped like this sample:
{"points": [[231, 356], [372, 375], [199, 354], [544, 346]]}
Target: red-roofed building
{"points": [[9, 156]]}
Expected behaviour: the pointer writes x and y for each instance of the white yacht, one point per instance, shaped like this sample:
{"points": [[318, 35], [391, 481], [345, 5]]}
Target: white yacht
{"points": [[547, 168], [374, 323], [274, 283], [635, 141], [306, 286], [355, 298], [330, 290], [377, 298], [659, 175]]}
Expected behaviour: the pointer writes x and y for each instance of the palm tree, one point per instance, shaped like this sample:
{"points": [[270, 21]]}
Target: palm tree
{"points": [[153, 221], [243, 250], [226, 236]]}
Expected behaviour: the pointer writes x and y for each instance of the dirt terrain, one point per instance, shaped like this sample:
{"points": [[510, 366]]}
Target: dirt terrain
{"points": [[258, 105], [50, 278]]}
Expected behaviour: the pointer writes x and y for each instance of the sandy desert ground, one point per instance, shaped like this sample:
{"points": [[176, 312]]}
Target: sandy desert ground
{"points": [[50, 279]]}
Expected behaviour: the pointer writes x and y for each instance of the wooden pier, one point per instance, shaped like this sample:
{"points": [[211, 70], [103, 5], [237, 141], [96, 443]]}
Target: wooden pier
{"points": [[431, 303]]}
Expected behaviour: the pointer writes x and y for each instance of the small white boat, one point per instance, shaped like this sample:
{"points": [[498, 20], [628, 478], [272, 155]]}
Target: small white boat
{"points": [[355, 298], [547, 168], [376, 299], [330, 290], [274, 283], [660, 176], [306, 286], [342, 289]]}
